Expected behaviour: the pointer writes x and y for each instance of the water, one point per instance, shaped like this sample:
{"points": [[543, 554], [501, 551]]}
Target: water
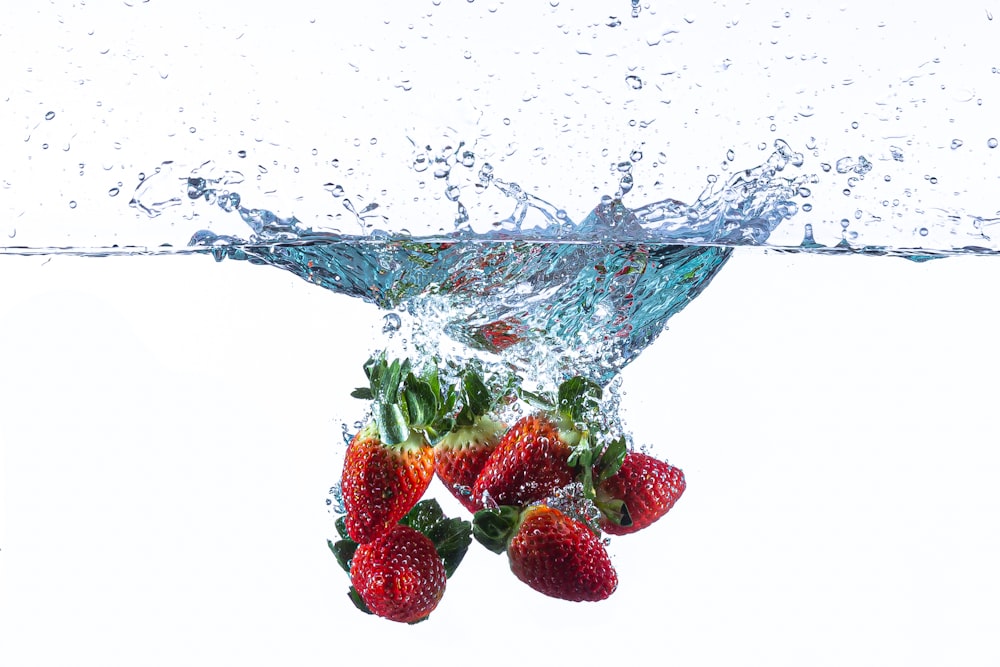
{"points": [[544, 189]]}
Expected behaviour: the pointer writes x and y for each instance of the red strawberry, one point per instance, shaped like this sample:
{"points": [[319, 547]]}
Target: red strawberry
{"points": [[534, 457], [460, 455], [399, 575], [528, 464], [647, 486], [381, 482], [390, 463], [554, 554]]}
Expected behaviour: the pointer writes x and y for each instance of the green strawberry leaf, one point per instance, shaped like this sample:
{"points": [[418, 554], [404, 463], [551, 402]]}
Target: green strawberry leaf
{"points": [[392, 423], [357, 600], [372, 364], [477, 396], [451, 537], [390, 381], [493, 528], [611, 460], [432, 377], [343, 551], [424, 514], [421, 401], [364, 393], [440, 428], [579, 398], [542, 401], [616, 511], [341, 524]]}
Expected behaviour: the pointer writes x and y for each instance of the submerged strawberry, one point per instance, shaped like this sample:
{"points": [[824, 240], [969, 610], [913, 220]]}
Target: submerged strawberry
{"points": [[551, 552], [646, 486], [390, 463], [399, 576], [535, 456], [396, 576], [460, 455], [382, 482]]}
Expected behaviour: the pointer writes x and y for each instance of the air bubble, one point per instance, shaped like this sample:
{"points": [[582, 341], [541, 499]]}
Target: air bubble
{"points": [[991, 142], [391, 323], [113, 192], [50, 115], [634, 82], [241, 154], [72, 204], [635, 156], [924, 231], [956, 143]]}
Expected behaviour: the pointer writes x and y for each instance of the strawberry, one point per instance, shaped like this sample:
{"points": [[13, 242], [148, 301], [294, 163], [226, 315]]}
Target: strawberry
{"points": [[646, 486], [399, 575], [554, 554], [393, 575], [536, 455], [382, 482], [460, 455], [390, 463]]}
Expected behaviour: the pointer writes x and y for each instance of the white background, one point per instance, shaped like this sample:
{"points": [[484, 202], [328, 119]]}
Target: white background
{"points": [[169, 427]]}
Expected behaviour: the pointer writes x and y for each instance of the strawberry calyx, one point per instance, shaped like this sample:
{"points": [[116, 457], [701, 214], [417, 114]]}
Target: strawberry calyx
{"points": [[494, 527], [577, 407], [404, 402], [479, 397]]}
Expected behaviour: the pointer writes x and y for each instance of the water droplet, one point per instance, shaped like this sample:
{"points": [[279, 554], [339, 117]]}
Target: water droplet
{"points": [[72, 204], [50, 115], [854, 125], [635, 156], [241, 154], [924, 231], [847, 192], [468, 159], [452, 192], [334, 189], [113, 192], [634, 82], [804, 191], [730, 155], [956, 143], [991, 142], [845, 165], [807, 207], [391, 323]]}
